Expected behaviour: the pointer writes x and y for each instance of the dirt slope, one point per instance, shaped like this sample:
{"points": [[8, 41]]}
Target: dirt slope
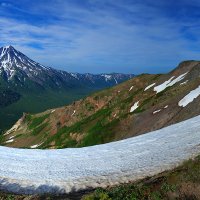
{"points": [[145, 103]]}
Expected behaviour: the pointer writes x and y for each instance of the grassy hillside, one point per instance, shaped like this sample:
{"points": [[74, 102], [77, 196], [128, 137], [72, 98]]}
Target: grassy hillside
{"points": [[107, 115], [94, 114], [27, 86], [34, 102]]}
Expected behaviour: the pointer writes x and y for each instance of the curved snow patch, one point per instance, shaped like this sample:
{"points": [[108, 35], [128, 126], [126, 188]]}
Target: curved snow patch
{"points": [[169, 83], [156, 111], [68, 170], [10, 141], [150, 86], [15, 127], [131, 88], [184, 82], [35, 146], [134, 107], [189, 97], [73, 113]]}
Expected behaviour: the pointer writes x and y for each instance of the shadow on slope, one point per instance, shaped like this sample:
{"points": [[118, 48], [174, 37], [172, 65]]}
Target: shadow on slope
{"points": [[42, 192]]}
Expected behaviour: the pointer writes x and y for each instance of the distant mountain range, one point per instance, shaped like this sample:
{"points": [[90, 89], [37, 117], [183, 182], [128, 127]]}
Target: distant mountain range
{"points": [[18, 69], [27, 86], [145, 103]]}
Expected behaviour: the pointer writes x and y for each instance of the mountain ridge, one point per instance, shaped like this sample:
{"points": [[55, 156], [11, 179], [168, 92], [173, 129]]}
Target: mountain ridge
{"points": [[115, 113], [31, 83], [13, 61]]}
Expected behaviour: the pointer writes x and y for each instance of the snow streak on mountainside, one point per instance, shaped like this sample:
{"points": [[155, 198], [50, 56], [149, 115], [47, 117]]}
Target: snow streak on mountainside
{"points": [[190, 97], [68, 170]]}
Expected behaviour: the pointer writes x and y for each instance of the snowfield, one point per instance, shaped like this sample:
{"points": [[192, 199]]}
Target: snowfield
{"points": [[169, 83], [156, 111], [185, 82], [131, 88], [150, 86], [68, 170], [134, 107], [189, 97], [35, 146]]}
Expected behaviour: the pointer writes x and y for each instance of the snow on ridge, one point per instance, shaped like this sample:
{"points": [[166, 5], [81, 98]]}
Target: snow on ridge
{"points": [[15, 127], [35, 146], [131, 88], [134, 107], [169, 83], [52, 111], [73, 113], [163, 86], [150, 86], [66, 170], [9, 141], [184, 82], [74, 75], [106, 76], [11, 60], [156, 111], [189, 97], [109, 77]]}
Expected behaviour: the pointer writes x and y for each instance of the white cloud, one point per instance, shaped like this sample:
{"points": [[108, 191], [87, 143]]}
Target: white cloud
{"points": [[106, 35]]}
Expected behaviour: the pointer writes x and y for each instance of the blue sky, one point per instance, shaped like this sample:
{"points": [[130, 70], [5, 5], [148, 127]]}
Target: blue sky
{"points": [[129, 36]]}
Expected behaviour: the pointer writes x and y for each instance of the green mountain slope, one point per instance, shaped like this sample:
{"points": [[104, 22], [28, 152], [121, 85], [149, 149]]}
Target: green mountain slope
{"points": [[27, 86], [142, 104]]}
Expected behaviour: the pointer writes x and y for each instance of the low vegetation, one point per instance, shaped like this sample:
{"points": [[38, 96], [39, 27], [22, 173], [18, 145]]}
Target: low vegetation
{"points": [[183, 183], [105, 115], [8, 97], [36, 121]]}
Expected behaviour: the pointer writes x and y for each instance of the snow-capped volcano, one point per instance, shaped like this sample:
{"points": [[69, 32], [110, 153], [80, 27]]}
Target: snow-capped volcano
{"points": [[12, 61], [16, 65], [10, 56], [35, 87]]}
